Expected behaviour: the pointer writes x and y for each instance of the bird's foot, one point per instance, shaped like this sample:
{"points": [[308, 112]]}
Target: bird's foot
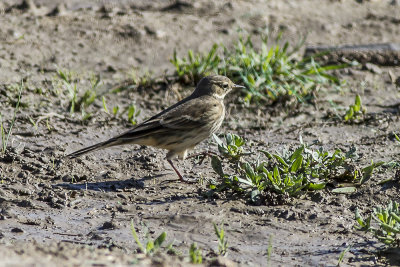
{"points": [[179, 174]]}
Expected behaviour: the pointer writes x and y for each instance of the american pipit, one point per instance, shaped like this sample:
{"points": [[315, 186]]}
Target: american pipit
{"points": [[182, 126]]}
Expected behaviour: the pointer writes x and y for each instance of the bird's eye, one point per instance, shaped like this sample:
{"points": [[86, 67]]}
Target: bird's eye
{"points": [[225, 85]]}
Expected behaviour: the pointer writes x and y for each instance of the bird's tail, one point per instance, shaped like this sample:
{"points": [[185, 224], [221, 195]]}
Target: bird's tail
{"points": [[108, 143]]}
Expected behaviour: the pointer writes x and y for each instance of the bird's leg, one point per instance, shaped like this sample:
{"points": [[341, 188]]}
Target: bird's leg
{"points": [[176, 170]]}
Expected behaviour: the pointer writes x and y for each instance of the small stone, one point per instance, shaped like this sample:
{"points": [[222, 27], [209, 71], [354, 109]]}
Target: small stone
{"points": [[59, 10], [16, 230], [160, 34], [397, 82], [111, 69], [149, 30], [222, 262], [372, 68], [108, 225]]}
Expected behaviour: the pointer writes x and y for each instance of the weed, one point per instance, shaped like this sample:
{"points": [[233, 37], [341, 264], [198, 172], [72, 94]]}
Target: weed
{"points": [[66, 75], [12, 93], [5, 135], [222, 242], [115, 110], [397, 138], [77, 103], [387, 220], [269, 251], [103, 100], [144, 80], [356, 111], [233, 149], [292, 172], [151, 245], [195, 254], [194, 67], [342, 254], [269, 74], [132, 113]]}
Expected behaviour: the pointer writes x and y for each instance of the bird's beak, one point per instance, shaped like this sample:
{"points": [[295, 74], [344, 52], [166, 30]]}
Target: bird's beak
{"points": [[236, 86]]}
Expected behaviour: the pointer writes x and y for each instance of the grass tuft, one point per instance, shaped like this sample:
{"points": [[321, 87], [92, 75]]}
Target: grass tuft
{"points": [[5, 135], [151, 245], [195, 254], [355, 112], [222, 242], [79, 102], [270, 74]]}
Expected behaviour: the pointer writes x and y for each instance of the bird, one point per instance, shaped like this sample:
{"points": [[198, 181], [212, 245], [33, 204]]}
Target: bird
{"points": [[180, 127]]}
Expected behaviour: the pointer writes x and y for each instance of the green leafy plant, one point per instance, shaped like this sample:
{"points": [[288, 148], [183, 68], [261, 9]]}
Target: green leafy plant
{"points": [[133, 113], [222, 242], [383, 223], [292, 172], [5, 135], [232, 148], [115, 110], [270, 74], [151, 245], [195, 254], [355, 111], [194, 67], [77, 103]]}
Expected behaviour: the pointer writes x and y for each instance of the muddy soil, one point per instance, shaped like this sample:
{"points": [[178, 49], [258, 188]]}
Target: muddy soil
{"points": [[78, 212]]}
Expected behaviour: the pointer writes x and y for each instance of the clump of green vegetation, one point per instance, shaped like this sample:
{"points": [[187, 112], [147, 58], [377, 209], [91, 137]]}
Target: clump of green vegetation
{"points": [[5, 135], [11, 95], [132, 112], [194, 67], [79, 103], [356, 111], [222, 242], [270, 74], [386, 222], [292, 172], [151, 245], [144, 80], [195, 254]]}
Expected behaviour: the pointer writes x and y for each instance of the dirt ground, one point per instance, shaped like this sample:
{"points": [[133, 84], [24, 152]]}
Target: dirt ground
{"points": [[78, 212]]}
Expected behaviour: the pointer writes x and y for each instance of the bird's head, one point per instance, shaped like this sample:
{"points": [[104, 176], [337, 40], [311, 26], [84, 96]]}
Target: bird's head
{"points": [[217, 86]]}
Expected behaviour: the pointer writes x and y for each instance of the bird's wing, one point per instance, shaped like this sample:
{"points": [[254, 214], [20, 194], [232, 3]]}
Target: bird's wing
{"points": [[185, 116]]}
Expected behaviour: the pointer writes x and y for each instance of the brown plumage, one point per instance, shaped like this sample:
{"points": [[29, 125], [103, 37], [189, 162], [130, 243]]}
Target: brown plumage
{"points": [[180, 127]]}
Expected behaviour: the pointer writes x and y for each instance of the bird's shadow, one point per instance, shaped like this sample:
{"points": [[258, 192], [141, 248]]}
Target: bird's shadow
{"points": [[114, 186], [110, 186]]}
